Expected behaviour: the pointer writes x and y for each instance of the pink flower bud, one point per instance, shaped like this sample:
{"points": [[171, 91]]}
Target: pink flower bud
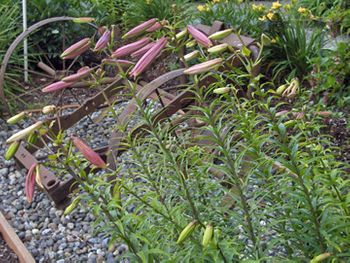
{"points": [[30, 183], [83, 20], [140, 28], [75, 48], [88, 153], [103, 41], [149, 57], [81, 73], [199, 36], [57, 86], [155, 27], [130, 48], [78, 52], [139, 53], [203, 67]]}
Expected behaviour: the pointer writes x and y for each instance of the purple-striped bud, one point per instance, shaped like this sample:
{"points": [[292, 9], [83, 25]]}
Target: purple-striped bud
{"points": [[88, 153], [149, 57], [57, 86], [139, 53], [200, 37], [130, 48], [103, 41], [116, 62], [155, 27], [81, 73], [204, 67], [140, 28], [30, 183], [76, 48]]}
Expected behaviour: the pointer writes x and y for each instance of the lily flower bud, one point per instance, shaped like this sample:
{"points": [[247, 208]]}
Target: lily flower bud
{"points": [[191, 43], [130, 48], [199, 36], [11, 151], [116, 62], [30, 183], [181, 34], [218, 48], [139, 53], [57, 86], [81, 73], [25, 132], [88, 153], [191, 55], [76, 49], [320, 258], [149, 57], [155, 27], [140, 28], [204, 67], [103, 41], [69, 209], [186, 232], [208, 235], [48, 109], [223, 90], [16, 118], [221, 34]]}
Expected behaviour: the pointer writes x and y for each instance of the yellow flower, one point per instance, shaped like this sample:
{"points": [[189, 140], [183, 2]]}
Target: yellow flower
{"points": [[287, 6], [270, 15], [276, 5], [263, 18], [302, 10], [258, 8], [203, 8], [273, 41]]}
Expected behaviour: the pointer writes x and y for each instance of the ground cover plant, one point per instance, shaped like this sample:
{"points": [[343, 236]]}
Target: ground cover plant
{"points": [[255, 179]]}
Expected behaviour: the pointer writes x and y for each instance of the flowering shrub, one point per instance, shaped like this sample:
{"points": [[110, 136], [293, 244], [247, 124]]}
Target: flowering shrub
{"points": [[252, 180]]}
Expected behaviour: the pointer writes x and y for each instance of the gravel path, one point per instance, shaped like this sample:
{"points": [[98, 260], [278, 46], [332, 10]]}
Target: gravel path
{"points": [[47, 233]]}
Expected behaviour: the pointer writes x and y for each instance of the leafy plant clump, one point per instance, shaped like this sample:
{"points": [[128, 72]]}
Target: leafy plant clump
{"points": [[243, 174]]}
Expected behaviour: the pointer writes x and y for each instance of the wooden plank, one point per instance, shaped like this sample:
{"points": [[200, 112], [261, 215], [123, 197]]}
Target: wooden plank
{"points": [[14, 242]]}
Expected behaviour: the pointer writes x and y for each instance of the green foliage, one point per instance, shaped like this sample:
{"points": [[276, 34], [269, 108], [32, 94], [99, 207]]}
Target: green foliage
{"points": [[141, 10]]}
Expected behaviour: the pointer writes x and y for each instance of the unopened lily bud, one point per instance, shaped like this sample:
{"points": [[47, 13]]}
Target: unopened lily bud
{"points": [[69, 209], [83, 20], [30, 183], [265, 40], [200, 37], [149, 57], [139, 53], [76, 48], [281, 113], [48, 109], [323, 113], [88, 153], [130, 48], [204, 67], [32, 137], [11, 151], [37, 177], [191, 55], [59, 85], [140, 28], [281, 89], [181, 34], [155, 27], [223, 90], [320, 258], [81, 74], [221, 34], [16, 118], [208, 235], [186, 232], [103, 41], [191, 43], [218, 48], [25, 132]]}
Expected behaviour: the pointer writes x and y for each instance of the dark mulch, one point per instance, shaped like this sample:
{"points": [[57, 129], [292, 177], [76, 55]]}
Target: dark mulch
{"points": [[6, 254]]}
